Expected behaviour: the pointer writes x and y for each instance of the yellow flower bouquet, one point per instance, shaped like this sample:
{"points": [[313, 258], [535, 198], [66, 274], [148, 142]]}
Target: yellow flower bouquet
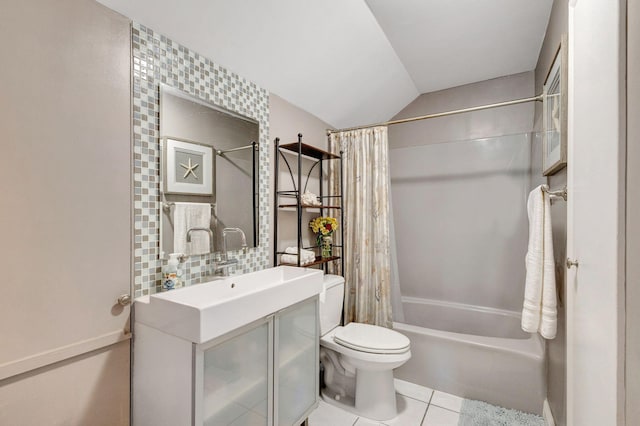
{"points": [[324, 226]]}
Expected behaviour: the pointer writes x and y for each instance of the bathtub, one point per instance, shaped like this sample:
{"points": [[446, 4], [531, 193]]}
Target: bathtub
{"points": [[474, 352]]}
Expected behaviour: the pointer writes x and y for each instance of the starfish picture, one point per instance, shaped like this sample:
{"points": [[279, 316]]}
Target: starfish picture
{"points": [[190, 169]]}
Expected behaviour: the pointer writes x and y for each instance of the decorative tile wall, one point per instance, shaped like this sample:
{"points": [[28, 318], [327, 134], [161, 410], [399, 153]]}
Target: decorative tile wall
{"points": [[157, 59]]}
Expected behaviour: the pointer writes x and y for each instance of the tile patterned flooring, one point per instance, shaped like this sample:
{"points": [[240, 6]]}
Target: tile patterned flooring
{"points": [[417, 406]]}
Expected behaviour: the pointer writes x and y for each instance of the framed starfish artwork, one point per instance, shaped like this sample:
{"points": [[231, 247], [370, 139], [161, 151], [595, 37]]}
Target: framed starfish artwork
{"points": [[188, 167], [554, 113]]}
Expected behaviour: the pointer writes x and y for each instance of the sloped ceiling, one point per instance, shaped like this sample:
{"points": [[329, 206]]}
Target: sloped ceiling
{"points": [[446, 44], [352, 62]]}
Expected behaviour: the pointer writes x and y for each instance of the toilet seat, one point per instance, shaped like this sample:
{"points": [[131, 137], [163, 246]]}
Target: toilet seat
{"points": [[371, 339]]}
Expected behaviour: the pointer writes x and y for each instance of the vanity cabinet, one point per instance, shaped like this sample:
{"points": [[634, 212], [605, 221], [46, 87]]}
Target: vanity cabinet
{"points": [[264, 373], [233, 378], [296, 363]]}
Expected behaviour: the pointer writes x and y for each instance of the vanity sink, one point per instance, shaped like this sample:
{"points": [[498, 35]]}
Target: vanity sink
{"points": [[205, 311]]}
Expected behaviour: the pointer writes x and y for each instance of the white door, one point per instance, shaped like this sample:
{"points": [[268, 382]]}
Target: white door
{"points": [[65, 214], [595, 236]]}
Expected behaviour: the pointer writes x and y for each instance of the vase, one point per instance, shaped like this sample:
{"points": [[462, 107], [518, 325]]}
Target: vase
{"points": [[326, 246]]}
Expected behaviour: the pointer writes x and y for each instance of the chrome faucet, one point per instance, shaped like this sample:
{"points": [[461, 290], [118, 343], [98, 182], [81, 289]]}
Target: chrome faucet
{"points": [[208, 230], [225, 263]]}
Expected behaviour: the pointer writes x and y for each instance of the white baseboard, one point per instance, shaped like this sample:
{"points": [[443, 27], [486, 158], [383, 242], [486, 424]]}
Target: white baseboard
{"points": [[547, 415]]}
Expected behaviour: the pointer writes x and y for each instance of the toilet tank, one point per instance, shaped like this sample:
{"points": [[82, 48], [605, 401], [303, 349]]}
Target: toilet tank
{"points": [[331, 303]]}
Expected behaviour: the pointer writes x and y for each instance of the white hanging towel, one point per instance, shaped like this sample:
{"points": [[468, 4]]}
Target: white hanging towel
{"points": [[539, 313], [188, 216]]}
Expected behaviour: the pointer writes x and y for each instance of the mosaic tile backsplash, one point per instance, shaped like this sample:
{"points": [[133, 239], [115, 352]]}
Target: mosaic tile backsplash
{"points": [[157, 59]]}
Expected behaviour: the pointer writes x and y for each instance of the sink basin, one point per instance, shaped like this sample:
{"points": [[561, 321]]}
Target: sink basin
{"points": [[205, 311]]}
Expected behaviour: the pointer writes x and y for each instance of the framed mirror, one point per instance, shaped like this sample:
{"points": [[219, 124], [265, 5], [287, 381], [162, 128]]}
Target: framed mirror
{"points": [[554, 110], [209, 176]]}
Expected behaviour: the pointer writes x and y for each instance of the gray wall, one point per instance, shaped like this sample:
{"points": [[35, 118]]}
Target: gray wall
{"points": [[556, 348], [480, 124], [633, 214], [460, 208], [65, 213], [286, 121]]}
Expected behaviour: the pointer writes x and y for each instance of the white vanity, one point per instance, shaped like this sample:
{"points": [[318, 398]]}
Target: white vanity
{"points": [[238, 351]]}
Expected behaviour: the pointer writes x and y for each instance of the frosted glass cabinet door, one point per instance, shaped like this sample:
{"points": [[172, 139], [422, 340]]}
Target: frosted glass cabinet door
{"points": [[296, 362], [236, 380]]}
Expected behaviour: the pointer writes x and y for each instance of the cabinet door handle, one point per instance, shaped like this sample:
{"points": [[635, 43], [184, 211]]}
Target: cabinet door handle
{"points": [[124, 300]]}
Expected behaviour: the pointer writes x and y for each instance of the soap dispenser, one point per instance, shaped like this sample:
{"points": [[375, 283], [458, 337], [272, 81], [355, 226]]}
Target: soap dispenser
{"points": [[171, 272]]}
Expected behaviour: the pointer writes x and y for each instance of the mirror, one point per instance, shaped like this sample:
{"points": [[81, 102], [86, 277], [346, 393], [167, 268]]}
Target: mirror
{"points": [[209, 176]]}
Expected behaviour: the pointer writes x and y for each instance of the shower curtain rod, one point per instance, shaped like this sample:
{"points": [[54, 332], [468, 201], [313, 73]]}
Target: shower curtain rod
{"points": [[441, 114]]}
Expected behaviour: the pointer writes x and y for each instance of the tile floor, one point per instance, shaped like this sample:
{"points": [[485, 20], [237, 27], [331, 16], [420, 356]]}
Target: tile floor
{"points": [[417, 406]]}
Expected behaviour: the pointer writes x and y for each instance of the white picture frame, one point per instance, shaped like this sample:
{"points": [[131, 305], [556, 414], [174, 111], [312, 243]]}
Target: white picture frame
{"points": [[195, 176]]}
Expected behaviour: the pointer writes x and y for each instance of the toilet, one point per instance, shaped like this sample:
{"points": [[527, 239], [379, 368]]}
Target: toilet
{"points": [[358, 359]]}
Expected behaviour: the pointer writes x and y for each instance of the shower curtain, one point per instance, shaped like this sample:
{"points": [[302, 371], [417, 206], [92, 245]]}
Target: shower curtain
{"points": [[366, 224]]}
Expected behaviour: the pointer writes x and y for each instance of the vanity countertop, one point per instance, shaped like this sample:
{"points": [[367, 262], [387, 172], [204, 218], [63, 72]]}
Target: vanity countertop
{"points": [[202, 312]]}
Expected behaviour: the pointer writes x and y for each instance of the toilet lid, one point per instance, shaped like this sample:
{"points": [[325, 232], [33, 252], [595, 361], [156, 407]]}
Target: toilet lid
{"points": [[371, 338]]}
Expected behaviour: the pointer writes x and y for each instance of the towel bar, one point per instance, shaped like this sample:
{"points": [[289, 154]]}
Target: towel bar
{"points": [[167, 205], [571, 263], [561, 193]]}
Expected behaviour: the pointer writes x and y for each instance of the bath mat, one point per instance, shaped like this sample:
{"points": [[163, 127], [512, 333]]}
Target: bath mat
{"points": [[478, 413]]}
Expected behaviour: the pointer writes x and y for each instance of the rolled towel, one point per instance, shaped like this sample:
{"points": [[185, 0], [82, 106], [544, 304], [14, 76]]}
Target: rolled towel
{"points": [[304, 258], [293, 259], [303, 252], [310, 199]]}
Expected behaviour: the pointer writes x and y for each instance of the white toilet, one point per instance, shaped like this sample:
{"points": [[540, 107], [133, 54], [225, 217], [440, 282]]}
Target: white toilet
{"points": [[358, 359]]}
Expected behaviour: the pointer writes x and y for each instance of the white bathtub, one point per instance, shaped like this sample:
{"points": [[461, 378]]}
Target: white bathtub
{"points": [[474, 352]]}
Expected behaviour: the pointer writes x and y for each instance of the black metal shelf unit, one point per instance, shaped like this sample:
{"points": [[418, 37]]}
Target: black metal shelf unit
{"points": [[328, 202]]}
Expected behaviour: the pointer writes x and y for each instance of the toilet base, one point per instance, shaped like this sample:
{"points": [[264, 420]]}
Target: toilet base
{"points": [[376, 394], [375, 397], [346, 402]]}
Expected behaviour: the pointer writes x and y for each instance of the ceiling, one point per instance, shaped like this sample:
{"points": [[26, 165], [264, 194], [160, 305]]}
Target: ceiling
{"points": [[352, 62]]}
